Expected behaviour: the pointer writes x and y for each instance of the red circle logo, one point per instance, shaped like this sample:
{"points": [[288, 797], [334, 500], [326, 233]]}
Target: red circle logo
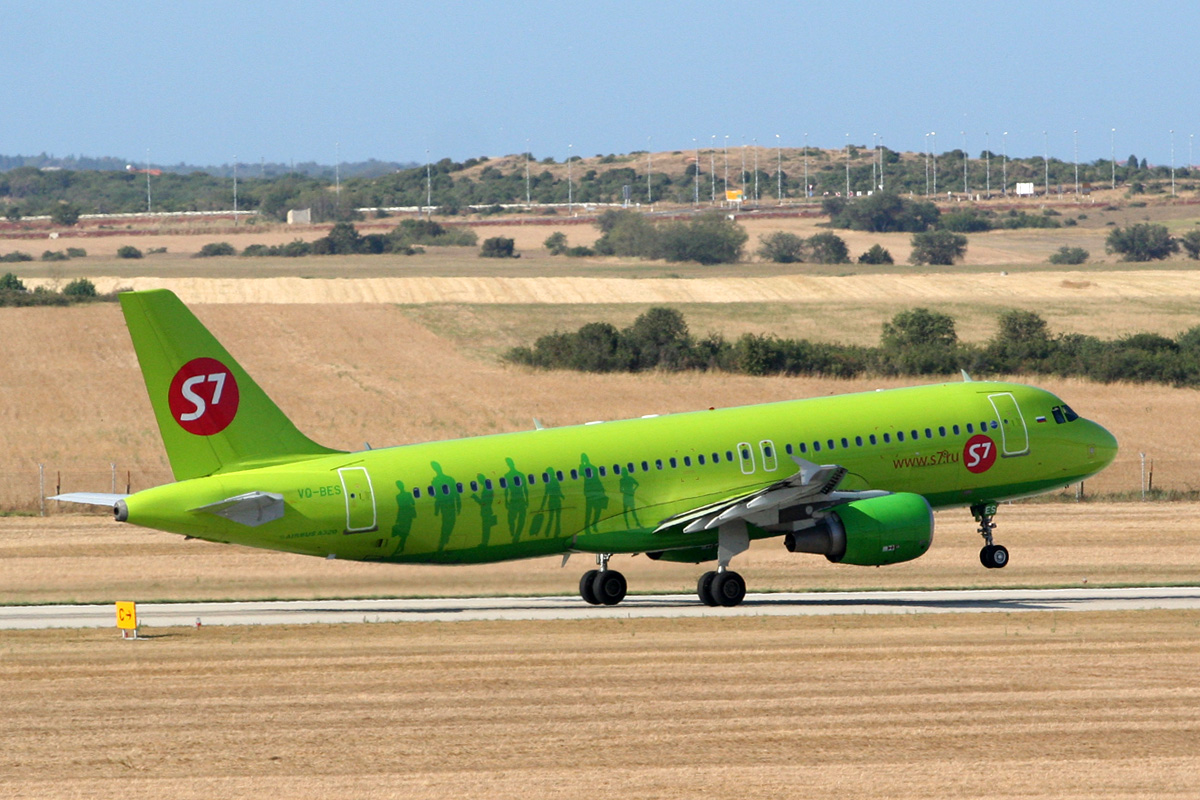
{"points": [[979, 453], [203, 397]]}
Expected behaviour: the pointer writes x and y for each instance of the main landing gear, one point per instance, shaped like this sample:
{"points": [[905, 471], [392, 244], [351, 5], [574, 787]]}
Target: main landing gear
{"points": [[992, 556], [604, 586], [724, 587]]}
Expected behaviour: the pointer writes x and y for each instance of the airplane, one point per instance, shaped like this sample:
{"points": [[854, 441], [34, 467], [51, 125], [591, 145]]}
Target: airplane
{"points": [[855, 478]]}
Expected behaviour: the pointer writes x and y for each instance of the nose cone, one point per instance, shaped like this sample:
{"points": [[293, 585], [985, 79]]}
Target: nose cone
{"points": [[1101, 447]]}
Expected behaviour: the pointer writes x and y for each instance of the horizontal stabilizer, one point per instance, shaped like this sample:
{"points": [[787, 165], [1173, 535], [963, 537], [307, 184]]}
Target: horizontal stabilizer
{"points": [[90, 498], [251, 509]]}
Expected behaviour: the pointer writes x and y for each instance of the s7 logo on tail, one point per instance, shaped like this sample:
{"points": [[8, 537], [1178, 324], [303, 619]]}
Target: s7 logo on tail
{"points": [[203, 397]]}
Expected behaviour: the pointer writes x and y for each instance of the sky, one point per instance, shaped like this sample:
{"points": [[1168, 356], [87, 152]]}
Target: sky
{"points": [[205, 83]]}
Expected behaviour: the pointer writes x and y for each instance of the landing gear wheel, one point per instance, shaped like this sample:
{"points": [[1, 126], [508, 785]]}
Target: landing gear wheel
{"points": [[586, 587], [609, 587], [728, 588], [704, 589], [994, 556]]}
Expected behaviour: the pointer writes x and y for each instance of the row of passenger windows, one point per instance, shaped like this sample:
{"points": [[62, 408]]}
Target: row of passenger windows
{"points": [[746, 454], [912, 435]]}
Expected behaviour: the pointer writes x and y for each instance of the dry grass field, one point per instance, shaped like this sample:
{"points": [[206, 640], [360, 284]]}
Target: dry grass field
{"points": [[91, 559], [925, 706]]}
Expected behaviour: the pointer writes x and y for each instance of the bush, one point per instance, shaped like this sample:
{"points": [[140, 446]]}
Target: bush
{"points": [[579, 251], [966, 221], [1191, 244], [937, 247], [782, 247], [12, 213], [427, 232], [76, 252], [15, 256], [79, 288], [54, 255], [706, 239], [1069, 255], [828, 248], [64, 214], [216, 249], [1141, 242], [556, 243], [11, 283], [128, 251], [876, 255], [253, 250], [499, 247]]}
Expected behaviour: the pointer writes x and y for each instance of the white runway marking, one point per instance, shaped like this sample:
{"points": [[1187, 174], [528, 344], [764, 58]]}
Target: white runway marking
{"points": [[299, 612]]}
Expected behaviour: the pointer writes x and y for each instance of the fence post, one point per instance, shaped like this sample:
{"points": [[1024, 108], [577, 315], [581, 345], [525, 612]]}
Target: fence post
{"points": [[42, 488], [1143, 457], [113, 467]]}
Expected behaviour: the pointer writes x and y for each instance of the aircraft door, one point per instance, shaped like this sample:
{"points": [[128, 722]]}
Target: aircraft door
{"points": [[1014, 436], [360, 499]]}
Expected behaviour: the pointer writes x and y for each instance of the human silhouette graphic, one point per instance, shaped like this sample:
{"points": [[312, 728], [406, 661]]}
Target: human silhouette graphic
{"points": [[552, 502], [447, 502], [595, 499], [629, 486], [516, 500], [406, 512], [487, 518]]}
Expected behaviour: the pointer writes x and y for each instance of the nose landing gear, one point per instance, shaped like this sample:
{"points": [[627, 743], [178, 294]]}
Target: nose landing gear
{"points": [[992, 556]]}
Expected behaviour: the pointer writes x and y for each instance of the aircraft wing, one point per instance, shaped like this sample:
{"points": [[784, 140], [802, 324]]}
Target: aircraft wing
{"points": [[792, 502], [89, 498]]}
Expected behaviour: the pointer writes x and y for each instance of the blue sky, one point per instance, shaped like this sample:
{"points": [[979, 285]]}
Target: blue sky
{"points": [[205, 82]]}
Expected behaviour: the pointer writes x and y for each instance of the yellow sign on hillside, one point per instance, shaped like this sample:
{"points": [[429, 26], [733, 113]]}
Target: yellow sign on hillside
{"points": [[127, 618], [733, 195]]}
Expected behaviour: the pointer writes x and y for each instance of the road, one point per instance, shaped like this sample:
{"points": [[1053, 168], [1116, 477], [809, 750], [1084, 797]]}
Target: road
{"points": [[297, 612]]}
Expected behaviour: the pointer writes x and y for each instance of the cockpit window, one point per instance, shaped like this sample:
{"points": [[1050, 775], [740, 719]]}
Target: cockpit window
{"points": [[1071, 415], [1059, 417]]}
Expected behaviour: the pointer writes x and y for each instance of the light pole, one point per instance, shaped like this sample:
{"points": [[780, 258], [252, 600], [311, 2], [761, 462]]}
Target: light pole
{"points": [[1172, 162], [149, 205], [337, 173], [778, 170], [874, 153], [1112, 155], [881, 163], [727, 166], [235, 191], [570, 191], [528, 199], [847, 165], [927, 165], [428, 187], [742, 177], [933, 137], [755, 140]]}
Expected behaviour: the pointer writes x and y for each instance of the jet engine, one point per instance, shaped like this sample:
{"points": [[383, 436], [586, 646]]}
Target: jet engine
{"points": [[869, 533]]}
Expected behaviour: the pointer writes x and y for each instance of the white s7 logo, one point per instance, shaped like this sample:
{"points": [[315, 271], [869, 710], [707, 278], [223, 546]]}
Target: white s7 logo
{"points": [[198, 402], [978, 458]]}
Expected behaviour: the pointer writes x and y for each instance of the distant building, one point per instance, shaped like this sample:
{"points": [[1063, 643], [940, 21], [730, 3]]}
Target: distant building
{"points": [[300, 216]]}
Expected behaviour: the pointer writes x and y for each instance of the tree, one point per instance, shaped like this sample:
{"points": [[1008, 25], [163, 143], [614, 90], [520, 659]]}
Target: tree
{"points": [[882, 212], [657, 338], [876, 255], [919, 327], [64, 214], [706, 239], [128, 251], [626, 233], [12, 213], [556, 243], [937, 247], [216, 249], [1141, 242], [11, 283], [1021, 342], [1191, 244], [828, 248], [1069, 255], [782, 247], [499, 247]]}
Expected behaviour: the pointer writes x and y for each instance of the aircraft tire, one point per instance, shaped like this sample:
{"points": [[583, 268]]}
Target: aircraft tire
{"points": [[994, 556], [587, 587], [609, 587], [704, 588], [728, 588]]}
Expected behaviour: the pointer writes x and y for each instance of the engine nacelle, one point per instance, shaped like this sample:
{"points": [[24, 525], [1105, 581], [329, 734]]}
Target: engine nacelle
{"points": [[870, 533]]}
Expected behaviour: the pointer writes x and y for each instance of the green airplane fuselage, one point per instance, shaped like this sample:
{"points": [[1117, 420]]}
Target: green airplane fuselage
{"points": [[607, 487]]}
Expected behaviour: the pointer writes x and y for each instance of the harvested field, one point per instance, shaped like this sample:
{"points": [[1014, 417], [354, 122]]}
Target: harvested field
{"points": [[923, 706], [90, 559]]}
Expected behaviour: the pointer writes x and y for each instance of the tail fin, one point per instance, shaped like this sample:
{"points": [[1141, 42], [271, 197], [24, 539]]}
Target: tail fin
{"points": [[210, 412]]}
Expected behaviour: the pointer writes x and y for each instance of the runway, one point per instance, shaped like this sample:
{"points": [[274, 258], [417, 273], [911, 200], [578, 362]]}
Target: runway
{"points": [[301, 612]]}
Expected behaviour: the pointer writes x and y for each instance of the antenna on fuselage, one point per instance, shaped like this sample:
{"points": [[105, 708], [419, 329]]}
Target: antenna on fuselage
{"points": [[966, 377], [537, 424]]}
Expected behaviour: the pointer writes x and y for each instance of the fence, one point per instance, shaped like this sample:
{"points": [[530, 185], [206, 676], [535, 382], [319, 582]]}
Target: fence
{"points": [[25, 489]]}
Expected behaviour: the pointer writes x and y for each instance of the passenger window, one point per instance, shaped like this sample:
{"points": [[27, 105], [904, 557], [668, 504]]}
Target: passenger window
{"points": [[700, 459], [458, 486], [858, 441], [716, 458], [603, 472], [729, 455], [970, 428], [816, 447], [899, 436], [616, 469], [872, 439], [674, 463], [645, 466], [488, 483], [830, 443], [629, 467], [955, 429], [417, 492], [687, 461], [845, 443], [942, 431], [887, 438], [558, 474], [574, 475], [928, 433], [474, 486], [803, 447], [545, 477], [516, 480], [916, 435], [587, 473], [532, 480], [788, 448], [429, 491], [658, 463], [445, 488]]}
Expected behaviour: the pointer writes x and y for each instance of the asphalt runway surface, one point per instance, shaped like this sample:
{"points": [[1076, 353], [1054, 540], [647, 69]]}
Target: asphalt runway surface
{"points": [[299, 612]]}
